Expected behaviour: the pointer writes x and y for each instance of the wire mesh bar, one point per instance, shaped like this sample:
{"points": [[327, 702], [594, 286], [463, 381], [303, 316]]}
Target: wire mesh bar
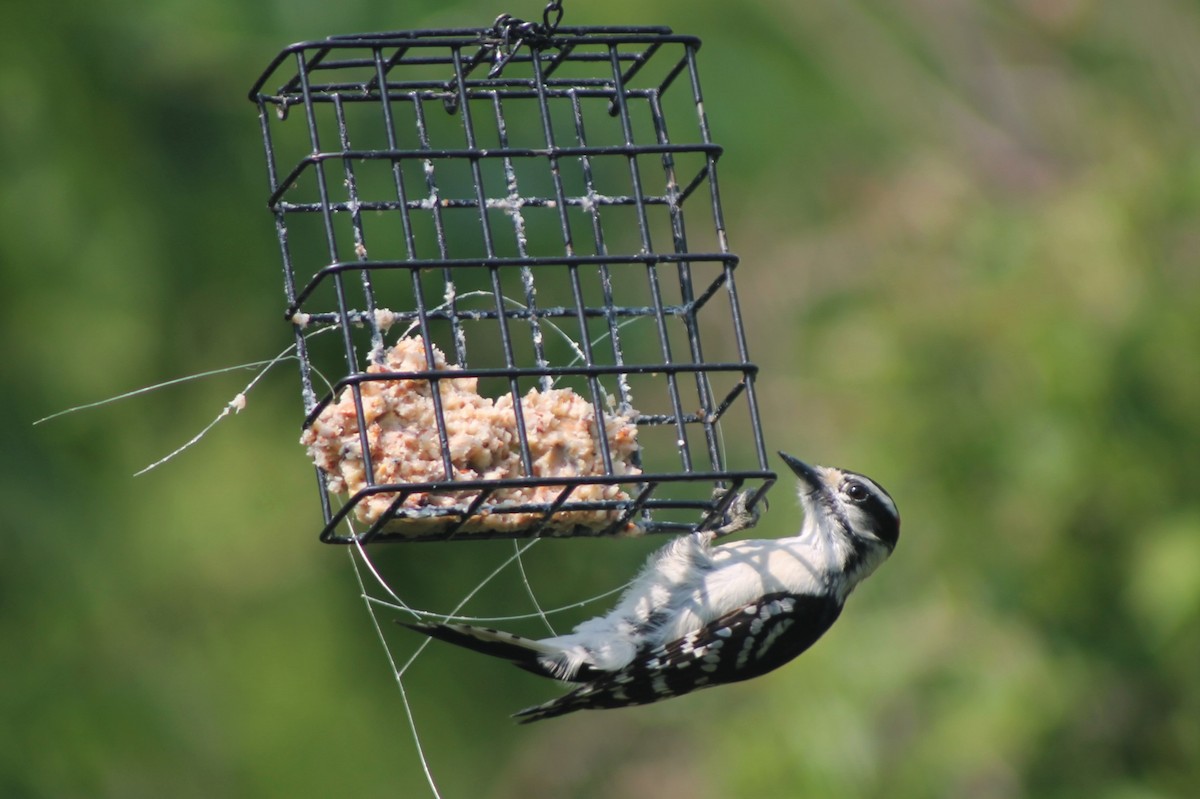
{"points": [[503, 262]]}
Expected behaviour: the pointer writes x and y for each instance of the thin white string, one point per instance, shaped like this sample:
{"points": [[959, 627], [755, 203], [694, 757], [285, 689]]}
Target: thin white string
{"points": [[398, 672], [579, 356], [399, 677], [471, 595], [529, 590], [235, 405], [493, 619], [165, 384], [362, 553]]}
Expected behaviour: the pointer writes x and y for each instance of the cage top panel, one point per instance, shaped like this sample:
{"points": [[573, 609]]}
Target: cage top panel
{"points": [[420, 47]]}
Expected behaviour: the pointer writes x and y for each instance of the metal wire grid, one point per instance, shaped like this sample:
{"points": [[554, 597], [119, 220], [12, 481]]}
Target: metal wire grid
{"points": [[524, 227]]}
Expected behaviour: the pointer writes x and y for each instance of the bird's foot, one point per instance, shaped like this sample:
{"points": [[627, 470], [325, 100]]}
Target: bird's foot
{"points": [[739, 515]]}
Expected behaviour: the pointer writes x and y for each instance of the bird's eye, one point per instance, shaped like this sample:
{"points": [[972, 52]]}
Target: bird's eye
{"points": [[856, 491]]}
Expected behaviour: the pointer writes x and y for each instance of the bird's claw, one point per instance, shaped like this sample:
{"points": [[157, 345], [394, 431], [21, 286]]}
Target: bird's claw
{"points": [[740, 515]]}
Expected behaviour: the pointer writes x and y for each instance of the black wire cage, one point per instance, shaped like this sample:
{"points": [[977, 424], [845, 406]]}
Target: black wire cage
{"points": [[506, 267]]}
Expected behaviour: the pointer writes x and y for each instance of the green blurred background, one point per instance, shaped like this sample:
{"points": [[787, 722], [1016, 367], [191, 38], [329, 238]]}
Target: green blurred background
{"points": [[969, 243]]}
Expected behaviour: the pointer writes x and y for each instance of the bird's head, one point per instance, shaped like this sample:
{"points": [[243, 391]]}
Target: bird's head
{"points": [[848, 509]]}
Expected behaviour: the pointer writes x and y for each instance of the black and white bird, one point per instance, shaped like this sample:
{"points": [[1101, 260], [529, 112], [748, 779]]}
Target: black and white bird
{"points": [[700, 615]]}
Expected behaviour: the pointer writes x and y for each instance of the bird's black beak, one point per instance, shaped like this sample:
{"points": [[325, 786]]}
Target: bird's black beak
{"points": [[806, 473]]}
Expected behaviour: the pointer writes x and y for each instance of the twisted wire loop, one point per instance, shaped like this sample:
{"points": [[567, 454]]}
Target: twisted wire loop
{"points": [[510, 33]]}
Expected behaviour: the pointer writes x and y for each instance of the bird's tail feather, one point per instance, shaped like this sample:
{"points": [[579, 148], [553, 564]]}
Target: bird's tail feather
{"points": [[526, 653], [578, 699]]}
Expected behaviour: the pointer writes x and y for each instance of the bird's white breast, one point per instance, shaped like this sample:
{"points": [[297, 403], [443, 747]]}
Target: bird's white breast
{"points": [[741, 573], [690, 583]]}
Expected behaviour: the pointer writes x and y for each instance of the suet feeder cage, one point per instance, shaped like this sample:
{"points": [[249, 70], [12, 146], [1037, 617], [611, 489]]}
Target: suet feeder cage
{"points": [[505, 264]]}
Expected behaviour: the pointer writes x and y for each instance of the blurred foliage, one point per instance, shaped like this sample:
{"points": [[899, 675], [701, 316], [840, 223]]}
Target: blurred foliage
{"points": [[969, 242]]}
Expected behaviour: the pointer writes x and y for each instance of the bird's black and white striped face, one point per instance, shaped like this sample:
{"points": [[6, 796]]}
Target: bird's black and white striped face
{"points": [[853, 504]]}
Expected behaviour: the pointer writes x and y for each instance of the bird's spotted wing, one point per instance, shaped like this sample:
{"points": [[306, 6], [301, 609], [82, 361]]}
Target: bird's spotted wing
{"points": [[744, 643]]}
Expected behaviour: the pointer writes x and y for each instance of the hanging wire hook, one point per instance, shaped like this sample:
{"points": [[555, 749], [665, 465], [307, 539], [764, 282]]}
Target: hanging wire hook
{"points": [[553, 7]]}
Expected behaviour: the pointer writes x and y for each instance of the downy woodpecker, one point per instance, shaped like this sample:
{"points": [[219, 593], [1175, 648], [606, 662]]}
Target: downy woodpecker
{"points": [[700, 615]]}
